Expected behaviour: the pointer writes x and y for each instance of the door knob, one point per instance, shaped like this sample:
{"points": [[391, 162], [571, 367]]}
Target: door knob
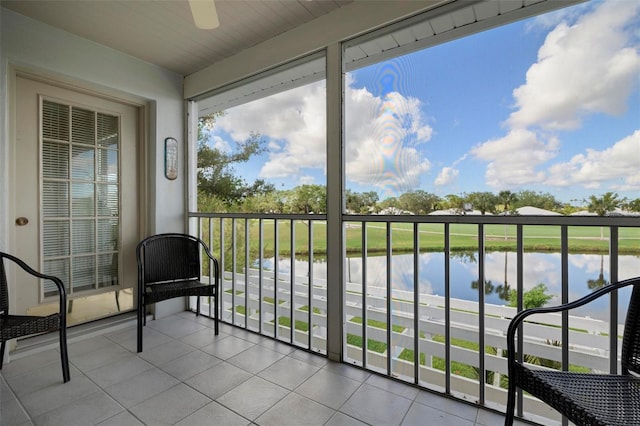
{"points": [[22, 221]]}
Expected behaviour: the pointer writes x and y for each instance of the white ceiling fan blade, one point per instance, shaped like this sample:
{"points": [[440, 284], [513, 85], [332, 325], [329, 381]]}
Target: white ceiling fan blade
{"points": [[204, 14]]}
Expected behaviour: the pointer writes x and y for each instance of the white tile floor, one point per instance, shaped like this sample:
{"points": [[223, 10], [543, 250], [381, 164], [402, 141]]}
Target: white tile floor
{"points": [[188, 376]]}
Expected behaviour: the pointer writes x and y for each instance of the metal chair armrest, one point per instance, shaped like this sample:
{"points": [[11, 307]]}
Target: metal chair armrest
{"points": [[520, 316], [57, 281]]}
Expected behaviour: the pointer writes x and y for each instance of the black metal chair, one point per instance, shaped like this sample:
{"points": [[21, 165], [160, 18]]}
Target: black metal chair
{"points": [[15, 326], [169, 266], [584, 398]]}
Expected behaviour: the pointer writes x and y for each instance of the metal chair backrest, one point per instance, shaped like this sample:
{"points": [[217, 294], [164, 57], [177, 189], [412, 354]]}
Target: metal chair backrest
{"points": [[4, 287], [631, 338], [169, 257]]}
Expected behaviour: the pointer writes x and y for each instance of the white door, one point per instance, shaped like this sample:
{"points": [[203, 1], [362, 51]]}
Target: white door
{"points": [[76, 198]]}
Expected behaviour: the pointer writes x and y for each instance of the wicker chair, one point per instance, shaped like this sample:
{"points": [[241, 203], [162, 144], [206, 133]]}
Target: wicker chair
{"points": [[584, 398], [15, 326], [168, 267]]}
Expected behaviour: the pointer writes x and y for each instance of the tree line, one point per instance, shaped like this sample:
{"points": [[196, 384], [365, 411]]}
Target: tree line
{"points": [[222, 189], [310, 198]]}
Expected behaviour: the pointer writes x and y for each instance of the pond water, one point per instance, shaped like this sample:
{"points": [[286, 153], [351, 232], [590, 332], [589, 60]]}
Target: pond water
{"points": [[586, 272]]}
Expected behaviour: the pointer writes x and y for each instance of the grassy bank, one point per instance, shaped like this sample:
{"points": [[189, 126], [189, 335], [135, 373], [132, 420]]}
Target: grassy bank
{"points": [[463, 238]]}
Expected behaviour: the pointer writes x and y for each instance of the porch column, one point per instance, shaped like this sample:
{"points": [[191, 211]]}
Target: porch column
{"points": [[335, 201]]}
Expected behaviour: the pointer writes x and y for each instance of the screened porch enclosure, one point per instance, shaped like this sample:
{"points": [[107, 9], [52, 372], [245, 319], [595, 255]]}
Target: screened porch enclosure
{"points": [[423, 299], [337, 308]]}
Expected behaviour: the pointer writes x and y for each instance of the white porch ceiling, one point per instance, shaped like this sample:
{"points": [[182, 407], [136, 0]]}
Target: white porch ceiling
{"points": [[443, 23], [162, 32]]}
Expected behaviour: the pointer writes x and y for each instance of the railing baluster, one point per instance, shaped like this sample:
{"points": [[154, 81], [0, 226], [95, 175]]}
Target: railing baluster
{"points": [[276, 248], [260, 274], [364, 294], [222, 266], [447, 308], [416, 302], [389, 296], [247, 308], [564, 237], [292, 273], [211, 247], [234, 261], [519, 300], [481, 337], [310, 281], [613, 301]]}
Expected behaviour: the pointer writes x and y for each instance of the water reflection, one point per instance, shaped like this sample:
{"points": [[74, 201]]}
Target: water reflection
{"points": [[586, 273]]}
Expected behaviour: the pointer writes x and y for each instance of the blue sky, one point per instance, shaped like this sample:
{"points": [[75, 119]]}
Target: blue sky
{"points": [[548, 104]]}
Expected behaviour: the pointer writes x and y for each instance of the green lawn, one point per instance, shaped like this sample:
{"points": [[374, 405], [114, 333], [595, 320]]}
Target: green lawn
{"points": [[372, 345], [471, 372], [300, 325], [463, 238]]}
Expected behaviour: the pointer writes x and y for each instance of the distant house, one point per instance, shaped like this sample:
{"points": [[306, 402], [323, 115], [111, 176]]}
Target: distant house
{"points": [[616, 212], [394, 211], [619, 212], [535, 211], [583, 213], [458, 212]]}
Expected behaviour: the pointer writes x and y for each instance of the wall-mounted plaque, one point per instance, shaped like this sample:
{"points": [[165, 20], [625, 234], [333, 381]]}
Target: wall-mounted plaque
{"points": [[171, 158]]}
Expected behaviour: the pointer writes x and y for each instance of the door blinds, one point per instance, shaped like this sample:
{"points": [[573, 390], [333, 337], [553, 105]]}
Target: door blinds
{"points": [[80, 202]]}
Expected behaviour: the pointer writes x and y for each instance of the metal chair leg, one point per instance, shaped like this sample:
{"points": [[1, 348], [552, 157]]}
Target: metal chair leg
{"points": [[511, 404], [2, 353], [217, 315], [64, 355], [140, 320]]}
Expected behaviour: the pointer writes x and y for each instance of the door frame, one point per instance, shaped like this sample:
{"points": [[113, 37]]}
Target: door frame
{"points": [[142, 107]]}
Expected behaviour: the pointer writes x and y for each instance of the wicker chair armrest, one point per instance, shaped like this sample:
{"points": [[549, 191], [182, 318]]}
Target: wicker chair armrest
{"points": [[214, 262], [521, 316], [57, 281]]}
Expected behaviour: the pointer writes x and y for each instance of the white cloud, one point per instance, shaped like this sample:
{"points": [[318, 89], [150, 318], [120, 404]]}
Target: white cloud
{"points": [[221, 144], [447, 176], [584, 68], [549, 20], [513, 160], [273, 146], [382, 139], [307, 180], [382, 135], [589, 67], [294, 123], [617, 166], [590, 263]]}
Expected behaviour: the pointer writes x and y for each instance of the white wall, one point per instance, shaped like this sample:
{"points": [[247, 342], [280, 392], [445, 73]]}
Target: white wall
{"points": [[27, 44]]}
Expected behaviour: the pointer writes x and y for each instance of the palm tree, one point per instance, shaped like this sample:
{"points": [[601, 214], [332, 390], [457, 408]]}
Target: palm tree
{"points": [[488, 286], [483, 201], [603, 205], [507, 198], [600, 282], [503, 291]]}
